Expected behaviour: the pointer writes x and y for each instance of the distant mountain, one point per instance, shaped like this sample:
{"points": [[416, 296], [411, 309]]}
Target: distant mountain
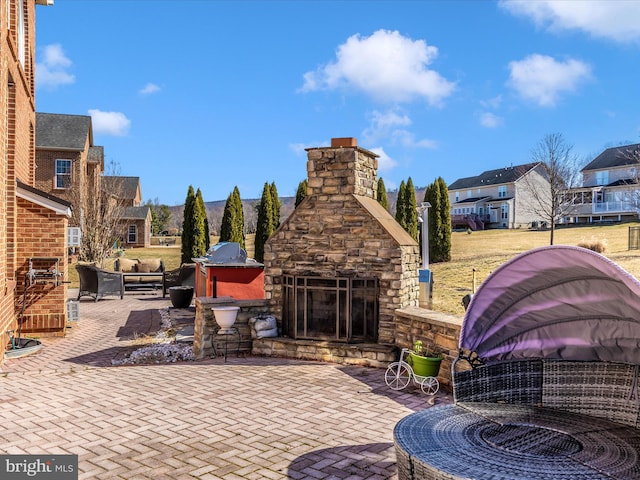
{"points": [[215, 210]]}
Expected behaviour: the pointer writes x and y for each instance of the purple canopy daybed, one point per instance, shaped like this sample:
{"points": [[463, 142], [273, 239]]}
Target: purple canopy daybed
{"points": [[556, 302], [553, 339]]}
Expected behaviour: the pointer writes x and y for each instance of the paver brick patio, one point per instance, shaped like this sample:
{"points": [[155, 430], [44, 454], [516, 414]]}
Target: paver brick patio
{"points": [[249, 418]]}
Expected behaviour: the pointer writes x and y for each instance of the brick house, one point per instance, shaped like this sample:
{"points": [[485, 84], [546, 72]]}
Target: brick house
{"points": [[135, 224], [496, 198], [33, 223], [68, 165]]}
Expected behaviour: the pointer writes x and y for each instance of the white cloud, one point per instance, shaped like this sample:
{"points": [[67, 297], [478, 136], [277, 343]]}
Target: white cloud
{"points": [[494, 102], [383, 126], [617, 20], [52, 70], [541, 79], [300, 148], [385, 162], [387, 66], [110, 123], [490, 120], [149, 89]]}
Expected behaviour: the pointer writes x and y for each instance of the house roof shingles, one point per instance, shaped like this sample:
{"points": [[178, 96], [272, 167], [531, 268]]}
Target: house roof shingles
{"points": [[65, 132], [494, 177], [136, 213], [615, 157], [122, 187]]}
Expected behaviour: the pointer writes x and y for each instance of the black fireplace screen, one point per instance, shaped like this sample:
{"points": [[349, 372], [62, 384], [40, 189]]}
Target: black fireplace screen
{"points": [[339, 309]]}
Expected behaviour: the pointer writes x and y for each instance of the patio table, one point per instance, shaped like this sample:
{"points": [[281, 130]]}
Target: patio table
{"points": [[489, 441], [150, 282]]}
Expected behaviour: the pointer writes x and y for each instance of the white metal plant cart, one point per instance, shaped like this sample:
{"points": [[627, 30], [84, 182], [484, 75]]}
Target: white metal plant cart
{"points": [[399, 375]]}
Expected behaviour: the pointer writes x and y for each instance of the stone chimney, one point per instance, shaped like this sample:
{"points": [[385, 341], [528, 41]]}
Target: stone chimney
{"points": [[342, 169]]}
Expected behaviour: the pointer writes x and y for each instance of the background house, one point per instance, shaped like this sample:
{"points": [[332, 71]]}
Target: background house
{"points": [[68, 164], [134, 226], [496, 198], [610, 187], [33, 223]]}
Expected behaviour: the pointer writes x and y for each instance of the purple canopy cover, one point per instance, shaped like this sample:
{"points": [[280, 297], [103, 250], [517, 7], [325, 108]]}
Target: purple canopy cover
{"points": [[555, 302]]}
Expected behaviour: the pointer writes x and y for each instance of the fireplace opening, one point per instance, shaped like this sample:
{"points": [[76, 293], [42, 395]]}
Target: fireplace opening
{"points": [[337, 309]]}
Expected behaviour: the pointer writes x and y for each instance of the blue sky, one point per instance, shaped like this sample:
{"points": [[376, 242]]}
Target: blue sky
{"points": [[218, 94]]}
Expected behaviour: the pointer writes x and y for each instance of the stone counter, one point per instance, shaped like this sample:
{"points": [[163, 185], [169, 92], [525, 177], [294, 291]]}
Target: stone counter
{"points": [[205, 324]]}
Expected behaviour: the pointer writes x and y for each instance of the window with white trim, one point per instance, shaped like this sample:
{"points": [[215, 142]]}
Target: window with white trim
{"points": [[602, 177], [63, 173], [132, 234], [502, 191], [22, 44], [504, 209]]}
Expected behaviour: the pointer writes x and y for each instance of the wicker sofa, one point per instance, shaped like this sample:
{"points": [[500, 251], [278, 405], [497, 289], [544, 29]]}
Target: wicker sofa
{"points": [[184, 276], [138, 273], [529, 419], [98, 283]]}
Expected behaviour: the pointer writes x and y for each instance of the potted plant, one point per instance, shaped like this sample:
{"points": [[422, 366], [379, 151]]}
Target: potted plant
{"points": [[423, 363]]}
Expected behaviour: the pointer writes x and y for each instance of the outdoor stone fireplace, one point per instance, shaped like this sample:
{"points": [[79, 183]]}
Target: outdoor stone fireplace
{"points": [[340, 265]]}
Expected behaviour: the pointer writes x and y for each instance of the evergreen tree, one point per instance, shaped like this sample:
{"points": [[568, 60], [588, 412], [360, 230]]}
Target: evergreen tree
{"points": [[437, 195], [227, 220], [275, 200], [400, 202], [202, 211], [187, 226], [444, 234], [382, 194], [265, 224], [238, 230], [198, 246], [301, 193], [232, 226], [411, 211], [160, 216]]}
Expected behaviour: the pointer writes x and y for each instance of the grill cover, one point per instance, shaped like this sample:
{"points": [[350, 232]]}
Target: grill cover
{"points": [[226, 252], [556, 302]]}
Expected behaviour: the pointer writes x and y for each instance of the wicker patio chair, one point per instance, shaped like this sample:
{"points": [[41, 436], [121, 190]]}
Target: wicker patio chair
{"points": [[98, 283], [185, 276]]}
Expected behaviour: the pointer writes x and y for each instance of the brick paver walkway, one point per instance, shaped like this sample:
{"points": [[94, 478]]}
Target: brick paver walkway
{"points": [[251, 418]]}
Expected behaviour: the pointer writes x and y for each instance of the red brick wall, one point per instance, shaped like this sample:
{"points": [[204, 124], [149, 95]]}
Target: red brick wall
{"points": [[17, 127], [41, 233]]}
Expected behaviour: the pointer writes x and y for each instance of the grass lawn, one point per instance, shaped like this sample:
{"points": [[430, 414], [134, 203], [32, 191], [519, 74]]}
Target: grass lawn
{"points": [[486, 250], [482, 251]]}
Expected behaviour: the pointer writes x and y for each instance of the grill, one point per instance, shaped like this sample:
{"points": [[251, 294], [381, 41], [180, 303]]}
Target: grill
{"points": [[225, 253], [226, 271]]}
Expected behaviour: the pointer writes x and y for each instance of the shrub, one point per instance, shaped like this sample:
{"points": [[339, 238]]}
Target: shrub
{"points": [[595, 244]]}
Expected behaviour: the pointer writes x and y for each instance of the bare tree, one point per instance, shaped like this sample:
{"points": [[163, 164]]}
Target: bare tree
{"points": [[560, 169], [99, 211]]}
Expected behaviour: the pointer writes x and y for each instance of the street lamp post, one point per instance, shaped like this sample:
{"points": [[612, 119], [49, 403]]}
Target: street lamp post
{"points": [[424, 275]]}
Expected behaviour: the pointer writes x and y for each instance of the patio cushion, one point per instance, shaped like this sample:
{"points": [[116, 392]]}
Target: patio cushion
{"points": [[127, 265], [152, 263]]}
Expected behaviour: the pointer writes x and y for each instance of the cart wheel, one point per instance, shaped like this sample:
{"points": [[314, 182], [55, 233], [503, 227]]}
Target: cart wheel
{"points": [[430, 385], [398, 375]]}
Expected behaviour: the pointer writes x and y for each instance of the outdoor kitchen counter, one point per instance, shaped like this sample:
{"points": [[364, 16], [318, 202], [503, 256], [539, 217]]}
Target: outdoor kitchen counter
{"points": [[513, 442]]}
